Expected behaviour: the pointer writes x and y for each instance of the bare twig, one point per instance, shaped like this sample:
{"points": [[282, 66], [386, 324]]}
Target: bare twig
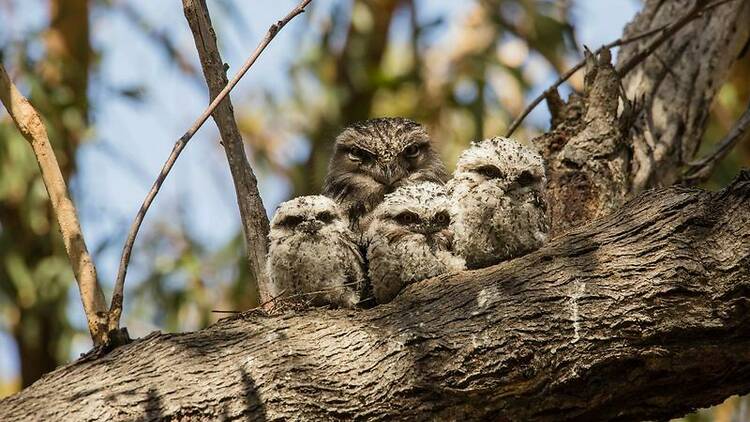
{"points": [[701, 170], [694, 12], [565, 76], [667, 32], [117, 298], [32, 128], [252, 212]]}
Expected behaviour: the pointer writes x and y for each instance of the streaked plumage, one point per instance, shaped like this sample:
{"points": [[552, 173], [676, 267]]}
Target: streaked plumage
{"points": [[313, 257], [409, 239], [498, 192], [374, 157]]}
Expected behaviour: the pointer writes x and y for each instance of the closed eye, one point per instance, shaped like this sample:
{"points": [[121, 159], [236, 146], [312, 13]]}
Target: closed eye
{"points": [[490, 172], [325, 217], [406, 218], [526, 179], [359, 154], [291, 221]]}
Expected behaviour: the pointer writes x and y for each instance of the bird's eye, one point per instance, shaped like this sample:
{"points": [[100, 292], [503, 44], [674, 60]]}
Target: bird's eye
{"points": [[291, 221], [406, 218], [412, 151], [358, 154], [490, 172], [525, 179], [325, 217], [443, 219]]}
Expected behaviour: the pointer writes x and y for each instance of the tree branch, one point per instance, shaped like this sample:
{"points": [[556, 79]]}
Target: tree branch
{"points": [[675, 86], [117, 297], [701, 170], [32, 128], [252, 212], [666, 31], [570, 72], [639, 315]]}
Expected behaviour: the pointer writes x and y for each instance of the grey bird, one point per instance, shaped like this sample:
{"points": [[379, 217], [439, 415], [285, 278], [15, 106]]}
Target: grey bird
{"points": [[312, 256], [499, 202], [409, 239]]}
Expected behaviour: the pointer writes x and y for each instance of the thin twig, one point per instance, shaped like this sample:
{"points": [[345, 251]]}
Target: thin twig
{"points": [[32, 128], [565, 76], [116, 307], [701, 170], [668, 31]]}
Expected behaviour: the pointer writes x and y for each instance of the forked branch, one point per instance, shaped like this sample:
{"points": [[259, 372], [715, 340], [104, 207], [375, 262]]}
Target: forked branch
{"points": [[666, 31], [116, 307]]}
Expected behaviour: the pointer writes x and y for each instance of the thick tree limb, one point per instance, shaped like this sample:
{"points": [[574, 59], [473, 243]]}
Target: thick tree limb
{"points": [[639, 315], [32, 128], [252, 212]]}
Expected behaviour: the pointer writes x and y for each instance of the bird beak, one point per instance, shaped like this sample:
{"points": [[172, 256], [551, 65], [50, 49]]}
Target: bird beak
{"points": [[429, 229], [391, 174], [310, 226]]}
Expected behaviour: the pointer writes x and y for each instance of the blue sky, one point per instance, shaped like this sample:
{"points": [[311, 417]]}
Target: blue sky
{"points": [[109, 193]]}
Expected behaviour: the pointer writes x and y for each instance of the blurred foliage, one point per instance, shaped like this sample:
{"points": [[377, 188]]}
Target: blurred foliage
{"points": [[731, 102], [34, 273], [465, 76]]}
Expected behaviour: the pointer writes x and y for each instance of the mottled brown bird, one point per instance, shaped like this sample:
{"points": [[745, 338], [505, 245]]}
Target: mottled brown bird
{"points": [[499, 202], [373, 158]]}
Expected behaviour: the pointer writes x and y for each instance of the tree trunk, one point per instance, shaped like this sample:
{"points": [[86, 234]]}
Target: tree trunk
{"points": [[642, 314], [639, 315], [677, 85]]}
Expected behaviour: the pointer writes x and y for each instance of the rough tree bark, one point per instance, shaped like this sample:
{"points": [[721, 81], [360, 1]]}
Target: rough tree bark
{"points": [[610, 144], [675, 86], [643, 314]]}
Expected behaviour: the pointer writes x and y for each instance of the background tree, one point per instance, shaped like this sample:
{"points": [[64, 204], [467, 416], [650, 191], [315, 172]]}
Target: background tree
{"points": [[355, 64]]}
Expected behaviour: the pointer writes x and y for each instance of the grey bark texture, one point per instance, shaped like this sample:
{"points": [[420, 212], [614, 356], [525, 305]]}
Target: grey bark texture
{"points": [[643, 314], [627, 133], [252, 213], [675, 86]]}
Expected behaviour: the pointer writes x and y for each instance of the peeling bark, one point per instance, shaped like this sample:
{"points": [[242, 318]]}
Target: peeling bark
{"points": [[639, 315], [675, 86], [586, 153], [627, 133]]}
